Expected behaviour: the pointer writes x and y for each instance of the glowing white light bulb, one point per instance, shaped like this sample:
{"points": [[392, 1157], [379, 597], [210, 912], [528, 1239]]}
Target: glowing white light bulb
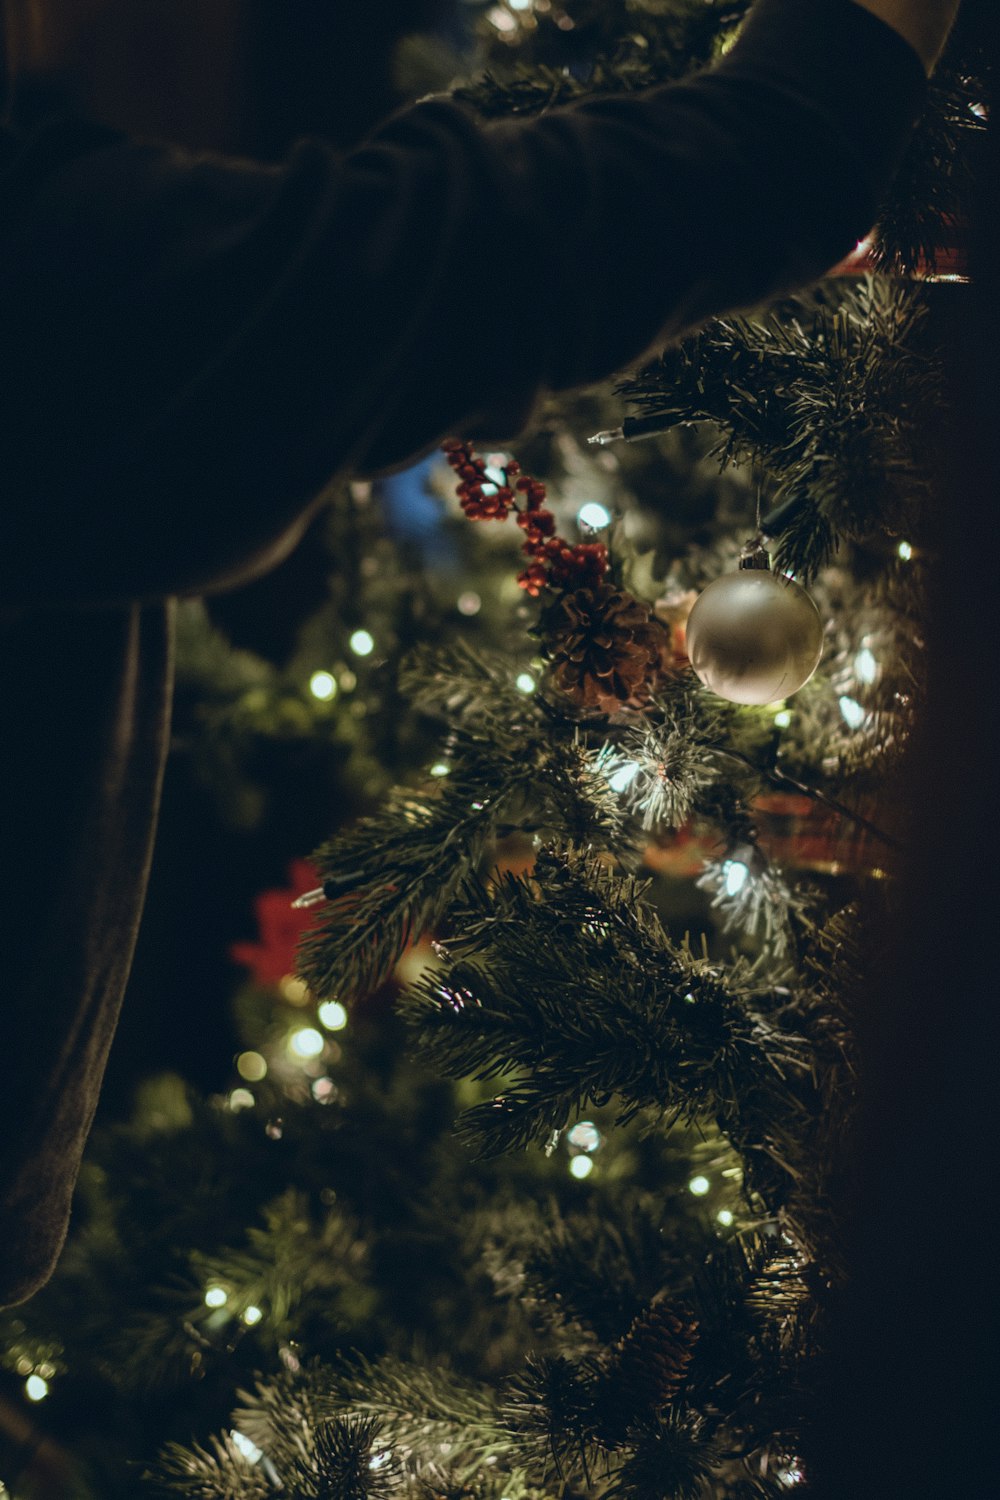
{"points": [[585, 1136], [243, 1445], [323, 685], [783, 718], [905, 551], [581, 1166], [379, 1460], [241, 1099], [524, 682], [624, 776], [593, 516], [724, 1217], [735, 874], [440, 768], [333, 1015], [699, 1186], [252, 1315], [853, 714], [306, 1042], [35, 1388], [216, 1296], [865, 666], [362, 643], [469, 603]]}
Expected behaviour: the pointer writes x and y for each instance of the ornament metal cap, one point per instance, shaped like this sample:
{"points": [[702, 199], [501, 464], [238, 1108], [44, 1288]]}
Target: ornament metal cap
{"points": [[755, 555]]}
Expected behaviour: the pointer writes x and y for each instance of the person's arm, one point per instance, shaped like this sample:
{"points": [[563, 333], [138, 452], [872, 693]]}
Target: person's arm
{"points": [[194, 347], [924, 24]]}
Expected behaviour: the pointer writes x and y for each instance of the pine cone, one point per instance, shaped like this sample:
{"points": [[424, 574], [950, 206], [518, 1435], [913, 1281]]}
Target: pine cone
{"points": [[648, 1366], [606, 650]]}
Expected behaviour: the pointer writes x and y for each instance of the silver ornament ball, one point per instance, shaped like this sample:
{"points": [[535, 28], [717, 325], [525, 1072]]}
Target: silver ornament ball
{"points": [[754, 636]]}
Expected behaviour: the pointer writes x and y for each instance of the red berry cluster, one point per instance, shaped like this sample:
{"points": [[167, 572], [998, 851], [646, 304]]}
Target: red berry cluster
{"points": [[555, 564]]}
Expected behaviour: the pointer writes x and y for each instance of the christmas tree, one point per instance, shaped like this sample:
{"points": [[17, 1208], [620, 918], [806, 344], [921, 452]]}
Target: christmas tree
{"points": [[530, 1177]]}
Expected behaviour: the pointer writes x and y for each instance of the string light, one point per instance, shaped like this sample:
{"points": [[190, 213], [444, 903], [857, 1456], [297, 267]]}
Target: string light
{"points": [[735, 875], [865, 666], [581, 1166], [724, 1217], [624, 776], [294, 990], [306, 1042], [252, 1315], [783, 718], [699, 1186], [440, 768], [216, 1296], [251, 1066], [35, 1388], [362, 643], [585, 1136], [333, 1015], [905, 551], [245, 1447], [241, 1099], [524, 682], [323, 685], [593, 516], [852, 712], [469, 603]]}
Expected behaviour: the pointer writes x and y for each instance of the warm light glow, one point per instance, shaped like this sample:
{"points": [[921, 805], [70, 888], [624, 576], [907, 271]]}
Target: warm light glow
{"points": [[624, 776], [501, 19], [323, 685], [36, 1389], [324, 1090], [333, 1015], [306, 1042], [469, 603], [581, 1166], [905, 551], [783, 718], [243, 1445], [524, 682], [865, 666], [440, 768], [216, 1296], [853, 714], [362, 643], [724, 1217], [251, 1066], [593, 516], [294, 990], [241, 1099], [699, 1186], [736, 874], [252, 1315], [585, 1136]]}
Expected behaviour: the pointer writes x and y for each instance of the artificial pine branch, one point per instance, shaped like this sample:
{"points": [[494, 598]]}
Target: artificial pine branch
{"points": [[831, 395], [566, 985]]}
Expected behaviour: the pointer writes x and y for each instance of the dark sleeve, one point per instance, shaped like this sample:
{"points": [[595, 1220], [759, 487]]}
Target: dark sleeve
{"points": [[194, 347]]}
